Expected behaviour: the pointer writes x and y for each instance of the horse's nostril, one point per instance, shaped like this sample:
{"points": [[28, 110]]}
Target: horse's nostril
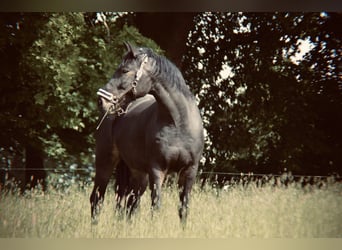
{"points": [[99, 102]]}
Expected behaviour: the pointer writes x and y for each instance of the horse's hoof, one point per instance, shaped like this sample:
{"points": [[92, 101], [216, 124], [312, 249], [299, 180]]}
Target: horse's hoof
{"points": [[94, 221]]}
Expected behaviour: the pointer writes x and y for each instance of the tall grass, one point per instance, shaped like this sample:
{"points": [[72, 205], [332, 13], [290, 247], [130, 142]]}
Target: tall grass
{"points": [[240, 211]]}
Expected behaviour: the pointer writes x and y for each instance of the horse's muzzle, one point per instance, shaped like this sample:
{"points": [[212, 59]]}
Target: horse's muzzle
{"points": [[107, 96], [107, 101]]}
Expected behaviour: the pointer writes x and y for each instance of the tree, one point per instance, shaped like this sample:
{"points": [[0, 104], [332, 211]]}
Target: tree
{"points": [[52, 66], [16, 38], [262, 110], [169, 30], [267, 112]]}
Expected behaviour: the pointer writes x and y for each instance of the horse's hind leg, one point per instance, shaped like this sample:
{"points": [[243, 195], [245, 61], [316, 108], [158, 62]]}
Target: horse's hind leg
{"points": [[186, 180], [157, 177]]}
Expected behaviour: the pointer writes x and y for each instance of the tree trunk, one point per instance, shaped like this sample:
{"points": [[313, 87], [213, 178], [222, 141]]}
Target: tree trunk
{"points": [[35, 173]]}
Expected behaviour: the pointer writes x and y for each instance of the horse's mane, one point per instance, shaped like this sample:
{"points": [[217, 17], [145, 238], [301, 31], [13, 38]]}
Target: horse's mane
{"points": [[166, 71]]}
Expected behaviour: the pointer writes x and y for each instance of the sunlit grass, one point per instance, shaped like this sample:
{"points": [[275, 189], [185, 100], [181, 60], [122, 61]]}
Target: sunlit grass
{"points": [[243, 212]]}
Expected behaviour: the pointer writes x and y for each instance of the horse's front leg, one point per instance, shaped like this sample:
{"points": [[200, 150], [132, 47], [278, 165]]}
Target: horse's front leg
{"points": [[107, 157], [122, 176], [104, 170]]}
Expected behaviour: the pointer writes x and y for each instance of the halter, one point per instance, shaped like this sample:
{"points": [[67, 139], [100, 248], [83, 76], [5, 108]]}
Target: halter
{"points": [[115, 107]]}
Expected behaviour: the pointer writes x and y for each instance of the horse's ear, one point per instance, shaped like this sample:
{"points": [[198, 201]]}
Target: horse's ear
{"points": [[128, 46], [131, 49]]}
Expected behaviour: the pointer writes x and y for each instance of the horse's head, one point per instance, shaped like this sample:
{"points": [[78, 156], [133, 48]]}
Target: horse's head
{"points": [[130, 81]]}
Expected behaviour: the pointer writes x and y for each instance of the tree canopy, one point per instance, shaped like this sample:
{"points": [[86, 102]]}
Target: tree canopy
{"points": [[52, 65], [264, 109], [266, 106]]}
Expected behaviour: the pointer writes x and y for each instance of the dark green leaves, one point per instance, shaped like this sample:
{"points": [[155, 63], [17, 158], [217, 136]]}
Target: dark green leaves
{"points": [[268, 113]]}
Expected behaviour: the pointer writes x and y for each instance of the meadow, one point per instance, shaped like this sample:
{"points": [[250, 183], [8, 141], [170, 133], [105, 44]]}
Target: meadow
{"points": [[237, 211]]}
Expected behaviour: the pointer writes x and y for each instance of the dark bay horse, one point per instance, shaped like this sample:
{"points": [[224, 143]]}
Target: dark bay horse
{"points": [[151, 126]]}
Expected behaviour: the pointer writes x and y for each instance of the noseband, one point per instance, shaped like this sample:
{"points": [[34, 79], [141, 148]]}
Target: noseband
{"points": [[115, 107]]}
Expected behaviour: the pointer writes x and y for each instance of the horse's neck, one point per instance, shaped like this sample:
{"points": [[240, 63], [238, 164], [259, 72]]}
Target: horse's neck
{"points": [[172, 103]]}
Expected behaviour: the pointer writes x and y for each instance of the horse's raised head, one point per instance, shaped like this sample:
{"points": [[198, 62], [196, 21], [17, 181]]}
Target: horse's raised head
{"points": [[130, 81]]}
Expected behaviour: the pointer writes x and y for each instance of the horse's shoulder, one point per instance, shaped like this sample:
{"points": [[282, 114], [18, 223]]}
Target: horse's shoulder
{"points": [[141, 103]]}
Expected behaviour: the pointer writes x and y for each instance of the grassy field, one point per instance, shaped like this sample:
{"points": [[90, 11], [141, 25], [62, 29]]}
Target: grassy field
{"points": [[291, 212]]}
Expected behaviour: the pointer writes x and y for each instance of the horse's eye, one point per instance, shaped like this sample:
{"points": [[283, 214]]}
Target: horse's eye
{"points": [[125, 71]]}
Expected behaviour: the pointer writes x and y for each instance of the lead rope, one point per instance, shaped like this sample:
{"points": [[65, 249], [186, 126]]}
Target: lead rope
{"points": [[104, 116]]}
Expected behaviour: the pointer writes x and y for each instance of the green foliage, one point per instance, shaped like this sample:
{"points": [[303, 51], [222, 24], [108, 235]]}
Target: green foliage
{"points": [[57, 63], [53, 66], [268, 112], [264, 113]]}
